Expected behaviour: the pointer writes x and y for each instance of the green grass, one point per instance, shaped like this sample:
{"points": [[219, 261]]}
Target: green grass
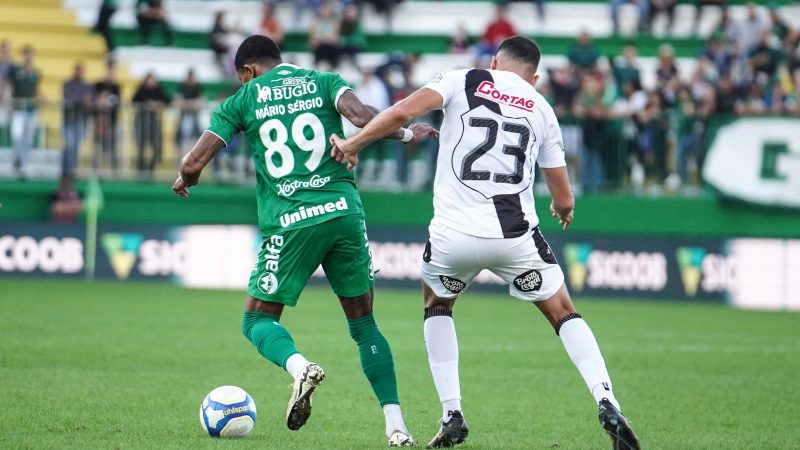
{"points": [[125, 365]]}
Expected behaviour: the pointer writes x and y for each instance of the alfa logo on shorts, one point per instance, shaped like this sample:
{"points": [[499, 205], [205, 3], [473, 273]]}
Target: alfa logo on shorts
{"points": [[268, 283], [453, 285], [529, 281]]}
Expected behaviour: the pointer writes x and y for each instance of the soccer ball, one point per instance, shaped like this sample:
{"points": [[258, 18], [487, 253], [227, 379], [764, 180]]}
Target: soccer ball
{"points": [[228, 411]]}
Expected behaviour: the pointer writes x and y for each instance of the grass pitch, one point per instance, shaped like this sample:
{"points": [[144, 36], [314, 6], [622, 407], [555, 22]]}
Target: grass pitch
{"points": [[125, 365]]}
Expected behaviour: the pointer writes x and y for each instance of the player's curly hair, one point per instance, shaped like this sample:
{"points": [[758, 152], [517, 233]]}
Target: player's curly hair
{"points": [[257, 49], [522, 49]]}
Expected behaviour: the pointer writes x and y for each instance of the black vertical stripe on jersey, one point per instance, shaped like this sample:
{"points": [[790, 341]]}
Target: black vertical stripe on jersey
{"points": [[510, 214], [543, 247], [474, 79], [508, 207]]}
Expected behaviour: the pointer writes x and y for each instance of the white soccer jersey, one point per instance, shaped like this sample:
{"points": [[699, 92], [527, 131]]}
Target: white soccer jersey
{"points": [[495, 128]]}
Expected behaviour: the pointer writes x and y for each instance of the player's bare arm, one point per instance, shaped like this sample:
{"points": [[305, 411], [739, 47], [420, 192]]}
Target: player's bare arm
{"points": [[563, 203], [417, 104], [195, 161]]}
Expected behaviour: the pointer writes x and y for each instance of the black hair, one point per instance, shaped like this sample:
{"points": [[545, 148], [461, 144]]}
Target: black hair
{"points": [[257, 49], [522, 49]]}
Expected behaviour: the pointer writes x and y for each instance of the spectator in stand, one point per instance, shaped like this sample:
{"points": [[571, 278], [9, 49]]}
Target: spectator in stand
{"points": [[748, 31], [591, 112], [651, 137], [698, 12], [149, 101], [25, 87], [372, 91], [666, 7], [189, 102], [354, 41], [726, 95], [583, 53], [497, 31], [764, 58], [689, 134], [792, 101], [718, 55], [6, 66], [218, 41], [103, 26], [77, 94], [626, 69], [106, 113], [667, 73], [270, 26], [460, 42], [790, 38], [66, 203], [150, 13], [385, 7], [754, 103], [644, 14], [324, 37], [397, 74], [777, 100], [565, 87]]}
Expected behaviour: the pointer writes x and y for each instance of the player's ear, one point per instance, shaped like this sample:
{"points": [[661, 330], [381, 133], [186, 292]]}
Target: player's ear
{"points": [[247, 73], [493, 64], [535, 79]]}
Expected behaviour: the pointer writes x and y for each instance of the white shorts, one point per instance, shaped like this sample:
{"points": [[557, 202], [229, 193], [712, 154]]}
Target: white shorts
{"points": [[452, 260]]}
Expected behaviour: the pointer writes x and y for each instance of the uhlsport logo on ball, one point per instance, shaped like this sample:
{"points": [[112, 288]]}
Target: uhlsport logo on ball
{"points": [[228, 411]]}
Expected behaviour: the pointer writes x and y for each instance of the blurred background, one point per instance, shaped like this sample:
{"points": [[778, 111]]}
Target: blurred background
{"points": [[681, 122]]}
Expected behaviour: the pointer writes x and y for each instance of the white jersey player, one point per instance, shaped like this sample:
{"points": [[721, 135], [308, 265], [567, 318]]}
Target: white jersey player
{"points": [[496, 127]]}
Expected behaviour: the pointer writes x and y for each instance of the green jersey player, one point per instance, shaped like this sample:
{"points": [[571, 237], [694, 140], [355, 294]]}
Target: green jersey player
{"points": [[309, 213]]}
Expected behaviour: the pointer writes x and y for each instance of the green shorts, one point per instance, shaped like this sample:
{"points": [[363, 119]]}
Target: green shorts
{"points": [[287, 260]]}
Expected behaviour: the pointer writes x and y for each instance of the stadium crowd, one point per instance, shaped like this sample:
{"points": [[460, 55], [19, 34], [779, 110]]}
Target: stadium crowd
{"points": [[617, 132]]}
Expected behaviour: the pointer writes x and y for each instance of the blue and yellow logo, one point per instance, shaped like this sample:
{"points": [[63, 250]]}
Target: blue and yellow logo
{"points": [[577, 256], [690, 262], [122, 250]]}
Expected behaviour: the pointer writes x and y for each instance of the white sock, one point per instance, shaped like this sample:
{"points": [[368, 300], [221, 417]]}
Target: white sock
{"points": [[296, 364], [582, 349], [440, 339], [394, 419]]}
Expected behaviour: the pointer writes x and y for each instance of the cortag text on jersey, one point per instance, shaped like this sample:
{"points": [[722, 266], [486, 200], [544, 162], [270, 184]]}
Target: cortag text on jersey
{"points": [[488, 91]]}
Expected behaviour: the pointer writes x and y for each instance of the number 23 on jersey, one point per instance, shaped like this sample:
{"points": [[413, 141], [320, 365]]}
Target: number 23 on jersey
{"points": [[496, 166]]}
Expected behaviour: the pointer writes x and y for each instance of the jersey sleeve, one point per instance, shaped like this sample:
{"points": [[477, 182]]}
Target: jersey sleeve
{"points": [[447, 85], [551, 153], [336, 86], [227, 119]]}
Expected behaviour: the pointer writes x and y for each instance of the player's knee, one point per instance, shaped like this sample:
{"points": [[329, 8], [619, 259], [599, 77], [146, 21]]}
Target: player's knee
{"points": [[564, 319], [436, 302]]}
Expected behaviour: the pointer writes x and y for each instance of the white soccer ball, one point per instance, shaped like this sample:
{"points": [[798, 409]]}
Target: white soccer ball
{"points": [[228, 411]]}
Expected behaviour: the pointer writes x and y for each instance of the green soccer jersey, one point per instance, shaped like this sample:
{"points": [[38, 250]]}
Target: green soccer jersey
{"points": [[288, 115]]}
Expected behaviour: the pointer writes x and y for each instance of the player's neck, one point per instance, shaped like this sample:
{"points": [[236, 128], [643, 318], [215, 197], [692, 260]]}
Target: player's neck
{"points": [[518, 69]]}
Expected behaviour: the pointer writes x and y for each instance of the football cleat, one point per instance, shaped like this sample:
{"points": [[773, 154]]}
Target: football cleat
{"points": [[303, 388], [401, 439], [452, 432], [615, 424]]}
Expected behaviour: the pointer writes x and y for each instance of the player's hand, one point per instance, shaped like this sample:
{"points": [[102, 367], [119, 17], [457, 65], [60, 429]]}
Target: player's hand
{"points": [[181, 188], [341, 152], [564, 221], [422, 131]]}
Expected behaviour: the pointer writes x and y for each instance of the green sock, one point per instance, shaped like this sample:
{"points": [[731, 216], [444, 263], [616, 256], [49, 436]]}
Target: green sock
{"points": [[271, 339], [376, 358]]}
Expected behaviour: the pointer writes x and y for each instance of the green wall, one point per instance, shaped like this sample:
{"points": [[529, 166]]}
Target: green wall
{"points": [[154, 203]]}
